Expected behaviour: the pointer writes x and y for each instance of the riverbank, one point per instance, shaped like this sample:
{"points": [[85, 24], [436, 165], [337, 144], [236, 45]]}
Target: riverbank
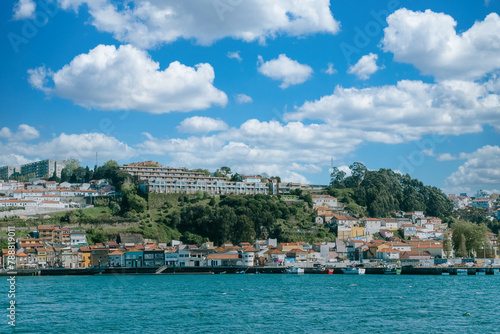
{"points": [[405, 270]]}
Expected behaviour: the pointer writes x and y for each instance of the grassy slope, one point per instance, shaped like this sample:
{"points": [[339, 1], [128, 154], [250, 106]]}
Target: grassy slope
{"points": [[151, 223]]}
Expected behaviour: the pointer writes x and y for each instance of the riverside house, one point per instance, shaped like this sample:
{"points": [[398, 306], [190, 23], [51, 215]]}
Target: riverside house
{"points": [[134, 257], [154, 257], [117, 258], [224, 259], [84, 254], [99, 257]]}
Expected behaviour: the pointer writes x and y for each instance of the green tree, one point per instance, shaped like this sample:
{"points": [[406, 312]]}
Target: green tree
{"points": [[225, 170], [447, 245], [358, 171], [337, 178], [308, 199], [131, 201], [88, 174], [236, 178], [67, 172], [277, 178], [54, 177], [95, 236], [475, 237], [462, 248]]}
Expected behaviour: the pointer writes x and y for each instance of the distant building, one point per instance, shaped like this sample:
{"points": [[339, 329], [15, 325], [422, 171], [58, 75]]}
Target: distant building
{"points": [[78, 237], [159, 179], [7, 171], [372, 225], [117, 258], [482, 203], [324, 200], [154, 257], [409, 230], [99, 257], [44, 168]]}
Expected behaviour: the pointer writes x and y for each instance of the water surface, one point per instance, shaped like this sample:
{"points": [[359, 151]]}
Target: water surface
{"points": [[256, 304]]}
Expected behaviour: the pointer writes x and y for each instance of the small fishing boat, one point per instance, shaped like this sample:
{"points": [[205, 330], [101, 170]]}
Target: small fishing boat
{"points": [[350, 270], [324, 270], [294, 270], [390, 270]]}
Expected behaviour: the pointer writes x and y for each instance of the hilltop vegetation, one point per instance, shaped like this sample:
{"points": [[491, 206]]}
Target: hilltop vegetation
{"points": [[200, 217], [236, 218], [384, 193]]}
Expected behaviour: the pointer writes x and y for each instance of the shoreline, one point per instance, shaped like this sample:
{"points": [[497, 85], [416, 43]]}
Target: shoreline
{"points": [[240, 270]]}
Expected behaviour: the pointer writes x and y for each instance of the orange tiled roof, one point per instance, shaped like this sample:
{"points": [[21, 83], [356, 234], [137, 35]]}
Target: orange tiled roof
{"points": [[117, 252], [389, 250], [274, 251]]}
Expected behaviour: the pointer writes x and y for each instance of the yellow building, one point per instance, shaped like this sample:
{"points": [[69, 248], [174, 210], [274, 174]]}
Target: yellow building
{"points": [[343, 233], [46, 233], [357, 231], [84, 254], [288, 246], [41, 257]]}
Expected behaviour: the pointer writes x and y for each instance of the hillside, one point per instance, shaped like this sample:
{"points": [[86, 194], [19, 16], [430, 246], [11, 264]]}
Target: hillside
{"points": [[384, 193]]}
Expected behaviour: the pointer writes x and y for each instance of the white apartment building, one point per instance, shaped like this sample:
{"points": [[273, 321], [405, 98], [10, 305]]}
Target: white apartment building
{"points": [[178, 180]]}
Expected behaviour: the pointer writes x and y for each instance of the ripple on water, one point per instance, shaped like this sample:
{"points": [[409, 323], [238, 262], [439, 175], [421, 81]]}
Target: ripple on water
{"points": [[257, 303]]}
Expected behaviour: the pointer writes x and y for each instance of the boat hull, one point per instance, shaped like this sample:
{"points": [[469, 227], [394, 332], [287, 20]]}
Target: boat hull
{"points": [[357, 271]]}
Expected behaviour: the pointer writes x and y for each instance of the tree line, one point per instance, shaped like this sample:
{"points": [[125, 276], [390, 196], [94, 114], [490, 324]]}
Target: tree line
{"points": [[385, 192], [235, 218]]}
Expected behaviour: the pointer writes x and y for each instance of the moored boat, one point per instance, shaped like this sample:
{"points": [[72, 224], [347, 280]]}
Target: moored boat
{"points": [[350, 270], [390, 270], [294, 270], [324, 270]]}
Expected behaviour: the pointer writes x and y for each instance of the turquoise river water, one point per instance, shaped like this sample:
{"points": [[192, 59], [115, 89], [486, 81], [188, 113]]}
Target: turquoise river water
{"points": [[254, 304]]}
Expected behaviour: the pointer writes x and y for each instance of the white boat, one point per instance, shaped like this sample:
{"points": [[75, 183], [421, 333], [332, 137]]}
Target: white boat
{"points": [[350, 270], [294, 270]]}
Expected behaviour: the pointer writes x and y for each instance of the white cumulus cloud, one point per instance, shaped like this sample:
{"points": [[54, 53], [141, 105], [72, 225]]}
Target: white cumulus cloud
{"points": [[288, 150], [21, 147], [330, 69], [429, 41], [406, 111], [289, 71], [198, 124], [127, 78], [479, 171], [24, 9], [150, 23], [365, 67], [243, 98], [234, 55], [24, 133]]}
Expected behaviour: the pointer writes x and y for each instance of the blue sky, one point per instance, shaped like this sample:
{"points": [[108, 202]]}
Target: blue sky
{"points": [[277, 87]]}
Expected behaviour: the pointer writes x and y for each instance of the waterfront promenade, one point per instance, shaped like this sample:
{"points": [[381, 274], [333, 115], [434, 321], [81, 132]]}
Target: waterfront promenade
{"points": [[405, 270]]}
